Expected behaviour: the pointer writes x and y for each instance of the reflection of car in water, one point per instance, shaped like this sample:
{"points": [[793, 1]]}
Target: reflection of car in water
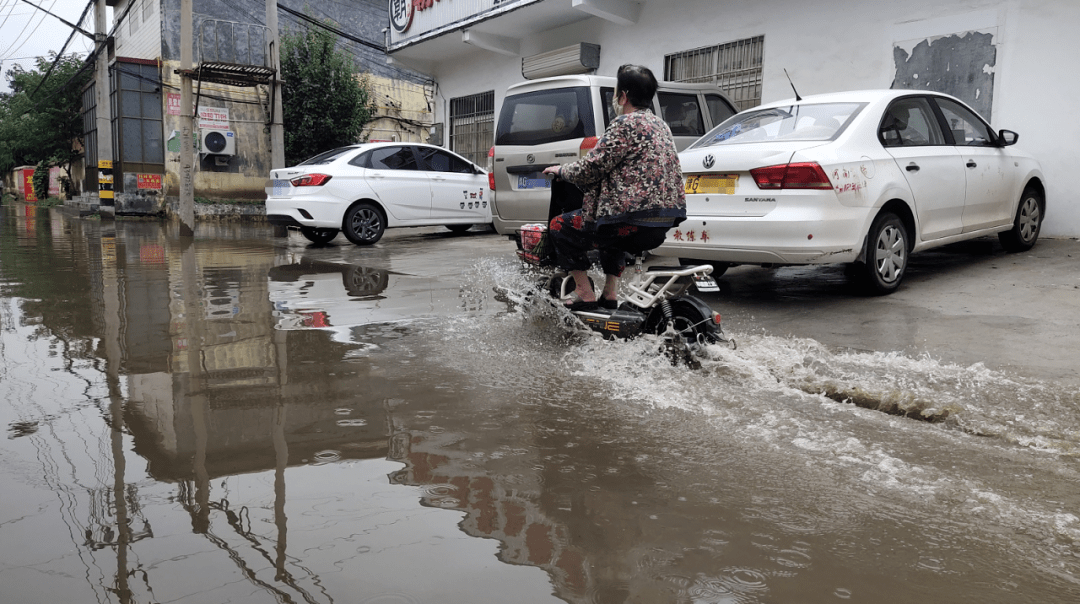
{"points": [[316, 294]]}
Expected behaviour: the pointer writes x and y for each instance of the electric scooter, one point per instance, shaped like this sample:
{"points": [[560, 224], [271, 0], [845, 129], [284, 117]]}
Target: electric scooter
{"points": [[657, 301]]}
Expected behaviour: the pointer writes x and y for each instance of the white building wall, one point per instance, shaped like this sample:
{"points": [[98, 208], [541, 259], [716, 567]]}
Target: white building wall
{"points": [[833, 45], [144, 40]]}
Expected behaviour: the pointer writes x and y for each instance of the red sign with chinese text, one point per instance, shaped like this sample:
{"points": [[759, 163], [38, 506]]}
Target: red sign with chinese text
{"points": [[28, 185], [149, 181]]}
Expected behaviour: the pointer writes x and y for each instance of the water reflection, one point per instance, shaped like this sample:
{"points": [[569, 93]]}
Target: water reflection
{"points": [[190, 356], [245, 419]]}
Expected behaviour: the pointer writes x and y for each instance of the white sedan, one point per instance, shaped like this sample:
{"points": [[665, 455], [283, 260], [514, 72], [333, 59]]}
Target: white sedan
{"points": [[362, 190], [864, 177]]}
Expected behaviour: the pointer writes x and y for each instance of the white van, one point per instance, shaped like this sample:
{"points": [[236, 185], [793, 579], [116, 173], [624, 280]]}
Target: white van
{"points": [[557, 120]]}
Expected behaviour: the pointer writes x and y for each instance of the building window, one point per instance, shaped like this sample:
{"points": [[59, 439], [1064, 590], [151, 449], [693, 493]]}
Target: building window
{"points": [[735, 67], [472, 126], [147, 10], [137, 123]]}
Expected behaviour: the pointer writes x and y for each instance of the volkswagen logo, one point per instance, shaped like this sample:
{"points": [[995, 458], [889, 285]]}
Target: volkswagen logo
{"points": [[709, 161]]}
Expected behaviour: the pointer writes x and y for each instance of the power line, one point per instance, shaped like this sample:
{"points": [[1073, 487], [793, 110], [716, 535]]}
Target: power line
{"points": [[30, 20], [60, 54]]}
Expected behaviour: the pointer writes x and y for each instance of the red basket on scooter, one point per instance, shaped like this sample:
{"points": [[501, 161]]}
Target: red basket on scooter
{"points": [[534, 245]]}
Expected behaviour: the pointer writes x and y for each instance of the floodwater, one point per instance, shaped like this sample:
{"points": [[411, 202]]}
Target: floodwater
{"points": [[242, 418]]}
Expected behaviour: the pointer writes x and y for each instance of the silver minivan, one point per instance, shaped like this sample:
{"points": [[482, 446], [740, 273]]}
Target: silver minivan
{"points": [[557, 120]]}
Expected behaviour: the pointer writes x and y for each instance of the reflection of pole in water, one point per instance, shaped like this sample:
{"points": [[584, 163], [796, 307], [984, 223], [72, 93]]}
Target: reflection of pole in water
{"points": [[281, 453], [122, 590]]}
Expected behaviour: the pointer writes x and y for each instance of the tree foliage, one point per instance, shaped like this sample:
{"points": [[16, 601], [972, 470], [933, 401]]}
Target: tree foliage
{"points": [[40, 122], [326, 102]]}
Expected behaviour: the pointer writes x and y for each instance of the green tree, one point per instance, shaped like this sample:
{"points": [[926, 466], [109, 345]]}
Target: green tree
{"points": [[326, 102], [40, 122]]}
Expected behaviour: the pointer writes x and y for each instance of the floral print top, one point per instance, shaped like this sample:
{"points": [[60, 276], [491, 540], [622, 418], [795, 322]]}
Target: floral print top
{"points": [[632, 176]]}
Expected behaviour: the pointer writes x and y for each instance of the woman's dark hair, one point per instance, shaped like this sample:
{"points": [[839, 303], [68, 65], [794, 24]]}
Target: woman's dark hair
{"points": [[638, 83]]}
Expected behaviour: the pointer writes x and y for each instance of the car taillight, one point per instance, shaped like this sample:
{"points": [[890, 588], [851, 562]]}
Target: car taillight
{"points": [[491, 180], [310, 180], [587, 144], [491, 159], [805, 175]]}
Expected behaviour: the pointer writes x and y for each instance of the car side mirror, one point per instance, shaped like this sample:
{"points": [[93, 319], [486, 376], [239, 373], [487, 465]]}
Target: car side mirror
{"points": [[1007, 137]]}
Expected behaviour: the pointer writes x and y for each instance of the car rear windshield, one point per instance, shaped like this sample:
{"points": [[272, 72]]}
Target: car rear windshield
{"points": [[326, 156], [545, 116], [816, 122]]}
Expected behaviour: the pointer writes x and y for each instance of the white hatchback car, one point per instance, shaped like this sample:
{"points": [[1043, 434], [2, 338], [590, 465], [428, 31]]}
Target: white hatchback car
{"points": [[364, 189], [860, 177]]}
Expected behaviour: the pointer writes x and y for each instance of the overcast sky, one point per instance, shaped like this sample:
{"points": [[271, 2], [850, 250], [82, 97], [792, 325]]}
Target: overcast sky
{"points": [[26, 32]]}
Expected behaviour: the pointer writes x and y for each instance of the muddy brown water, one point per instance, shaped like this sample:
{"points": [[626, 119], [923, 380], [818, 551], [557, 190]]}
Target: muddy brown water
{"points": [[244, 418]]}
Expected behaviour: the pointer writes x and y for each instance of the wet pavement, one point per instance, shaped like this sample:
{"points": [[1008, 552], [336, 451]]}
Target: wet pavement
{"points": [[244, 418]]}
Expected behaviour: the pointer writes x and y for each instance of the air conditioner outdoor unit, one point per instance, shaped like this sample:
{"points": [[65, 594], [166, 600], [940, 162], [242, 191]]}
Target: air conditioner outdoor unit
{"points": [[579, 58], [217, 142]]}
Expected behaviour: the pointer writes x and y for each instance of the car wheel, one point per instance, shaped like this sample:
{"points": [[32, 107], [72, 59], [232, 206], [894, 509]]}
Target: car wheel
{"points": [[318, 236], [886, 256], [718, 268], [1026, 225], [363, 224], [458, 228]]}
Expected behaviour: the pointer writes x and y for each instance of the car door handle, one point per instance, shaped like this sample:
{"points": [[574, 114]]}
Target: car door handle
{"points": [[438, 178], [971, 164], [912, 167], [375, 175]]}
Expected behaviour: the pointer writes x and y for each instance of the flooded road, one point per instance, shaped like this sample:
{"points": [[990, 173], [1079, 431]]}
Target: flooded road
{"points": [[244, 418]]}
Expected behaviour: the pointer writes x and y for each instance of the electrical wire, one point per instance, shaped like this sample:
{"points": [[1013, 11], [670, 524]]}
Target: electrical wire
{"points": [[60, 54], [11, 12], [16, 49]]}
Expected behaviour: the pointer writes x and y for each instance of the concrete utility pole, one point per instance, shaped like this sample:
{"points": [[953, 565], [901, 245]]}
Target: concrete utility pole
{"points": [[277, 131], [103, 110], [187, 118]]}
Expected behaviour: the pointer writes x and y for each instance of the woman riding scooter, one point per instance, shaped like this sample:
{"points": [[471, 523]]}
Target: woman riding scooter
{"points": [[633, 191]]}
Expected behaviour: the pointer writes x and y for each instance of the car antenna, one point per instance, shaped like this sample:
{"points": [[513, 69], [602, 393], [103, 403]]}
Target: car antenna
{"points": [[797, 97]]}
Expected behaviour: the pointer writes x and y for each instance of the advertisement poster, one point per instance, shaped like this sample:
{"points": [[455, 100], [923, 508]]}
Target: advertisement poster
{"points": [[28, 185], [214, 118], [174, 103], [149, 181]]}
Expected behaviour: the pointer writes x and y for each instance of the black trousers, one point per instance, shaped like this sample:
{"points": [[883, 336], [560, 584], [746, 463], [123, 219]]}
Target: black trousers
{"points": [[613, 241]]}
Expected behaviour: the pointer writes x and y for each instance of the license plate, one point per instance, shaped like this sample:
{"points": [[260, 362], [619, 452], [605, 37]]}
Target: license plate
{"points": [[720, 184], [705, 283], [536, 180], [281, 188]]}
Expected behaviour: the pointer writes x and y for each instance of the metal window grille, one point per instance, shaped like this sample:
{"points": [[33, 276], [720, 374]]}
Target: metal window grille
{"points": [[137, 131], [90, 148], [734, 66], [472, 126]]}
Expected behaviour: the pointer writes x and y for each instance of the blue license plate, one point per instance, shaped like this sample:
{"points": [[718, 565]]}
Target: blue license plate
{"points": [[533, 181]]}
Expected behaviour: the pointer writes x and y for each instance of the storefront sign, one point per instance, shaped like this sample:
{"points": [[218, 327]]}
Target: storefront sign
{"points": [[412, 20], [214, 118], [149, 181], [401, 14]]}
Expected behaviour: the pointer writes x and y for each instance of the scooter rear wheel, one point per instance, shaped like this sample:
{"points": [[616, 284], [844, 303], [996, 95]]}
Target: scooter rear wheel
{"points": [[688, 321]]}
